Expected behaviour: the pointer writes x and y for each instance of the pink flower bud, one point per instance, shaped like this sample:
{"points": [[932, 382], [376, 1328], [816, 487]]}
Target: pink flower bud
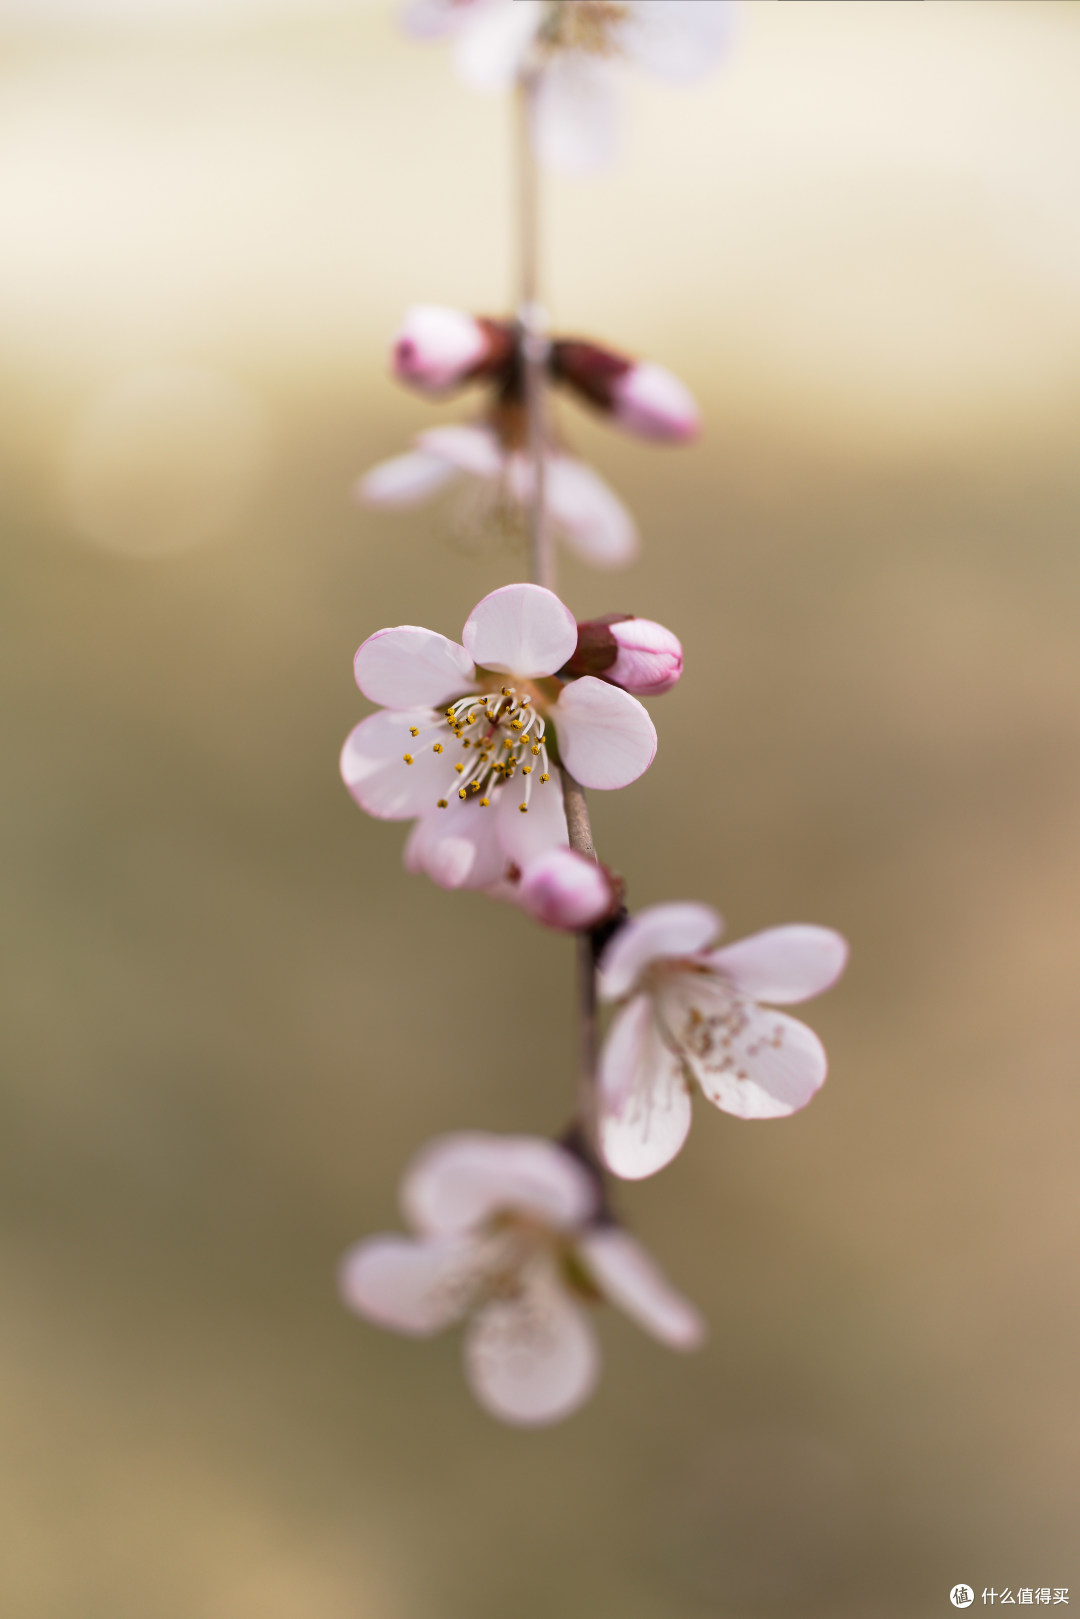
{"points": [[642, 657], [643, 398], [438, 348], [564, 890], [653, 403]]}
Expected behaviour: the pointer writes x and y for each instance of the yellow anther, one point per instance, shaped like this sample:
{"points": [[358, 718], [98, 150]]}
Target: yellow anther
{"points": [[535, 750], [407, 758], [482, 701], [472, 719], [545, 777], [474, 786], [459, 767], [463, 792], [508, 691], [484, 802], [517, 725], [508, 744], [414, 730], [465, 743], [437, 748], [526, 770], [442, 803], [524, 808]]}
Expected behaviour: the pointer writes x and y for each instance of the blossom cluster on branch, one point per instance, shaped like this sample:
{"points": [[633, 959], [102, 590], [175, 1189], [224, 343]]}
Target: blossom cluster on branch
{"points": [[486, 747]]}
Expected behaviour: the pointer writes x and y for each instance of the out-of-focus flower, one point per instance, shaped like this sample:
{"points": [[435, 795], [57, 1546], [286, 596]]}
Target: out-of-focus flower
{"points": [[463, 740], [640, 656], [584, 512], [565, 890], [438, 350], [574, 46], [508, 1241], [689, 1015]]}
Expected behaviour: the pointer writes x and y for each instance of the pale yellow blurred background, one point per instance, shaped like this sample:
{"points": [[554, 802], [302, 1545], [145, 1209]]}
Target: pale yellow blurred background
{"points": [[232, 1017]]}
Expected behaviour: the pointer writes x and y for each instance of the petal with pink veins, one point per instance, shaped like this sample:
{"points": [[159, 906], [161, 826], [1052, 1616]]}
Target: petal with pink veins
{"points": [[521, 630], [406, 1285], [407, 666], [590, 516], [525, 838], [658, 932], [627, 1277], [373, 766], [783, 965], [532, 1359], [606, 738], [645, 1105], [461, 1180], [405, 480]]}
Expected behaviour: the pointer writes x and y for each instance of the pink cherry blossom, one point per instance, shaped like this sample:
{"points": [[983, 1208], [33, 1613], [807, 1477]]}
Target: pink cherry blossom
{"points": [[585, 513], [461, 743], [508, 1241], [690, 1016], [562, 889], [575, 47]]}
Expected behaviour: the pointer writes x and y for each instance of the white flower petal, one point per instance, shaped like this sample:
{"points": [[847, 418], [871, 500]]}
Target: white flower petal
{"points": [[680, 40], [606, 738], [532, 1359], [522, 630], [468, 448], [590, 517], [434, 19], [524, 838], [403, 1284], [650, 400], [373, 766], [405, 480], [491, 53], [785, 964], [644, 1101], [657, 932], [772, 1066], [627, 1276], [460, 1180], [458, 847], [437, 347], [406, 666], [575, 122]]}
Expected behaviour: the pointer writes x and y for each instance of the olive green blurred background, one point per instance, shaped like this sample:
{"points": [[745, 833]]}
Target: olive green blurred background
{"points": [[232, 1018]]}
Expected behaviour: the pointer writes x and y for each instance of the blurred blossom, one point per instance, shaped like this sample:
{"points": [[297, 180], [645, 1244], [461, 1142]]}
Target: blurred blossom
{"points": [[688, 1012], [644, 399], [446, 760], [575, 45], [164, 459], [563, 889], [509, 1240]]}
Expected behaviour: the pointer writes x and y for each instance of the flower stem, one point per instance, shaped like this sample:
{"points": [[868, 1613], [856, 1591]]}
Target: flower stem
{"points": [[534, 347], [579, 828]]}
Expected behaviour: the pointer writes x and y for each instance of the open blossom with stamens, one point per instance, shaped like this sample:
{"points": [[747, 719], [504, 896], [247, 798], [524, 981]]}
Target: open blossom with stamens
{"points": [[469, 736], [509, 1241], [584, 512], [573, 45], [691, 1017]]}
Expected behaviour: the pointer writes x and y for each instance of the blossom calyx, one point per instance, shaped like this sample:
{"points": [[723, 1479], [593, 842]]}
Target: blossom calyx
{"points": [[635, 653], [644, 399], [438, 349]]}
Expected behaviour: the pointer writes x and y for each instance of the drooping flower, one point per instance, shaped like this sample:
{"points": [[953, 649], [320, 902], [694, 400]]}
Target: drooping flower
{"points": [[635, 653], [584, 512], [692, 1018], [468, 737], [574, 46], [509, 1239], [439, 350]]}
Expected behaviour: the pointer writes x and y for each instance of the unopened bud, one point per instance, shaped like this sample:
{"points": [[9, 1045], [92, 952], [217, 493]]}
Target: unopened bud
{"points": [[643, 398], [564, 890], [642, 657], [439, 348]]}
